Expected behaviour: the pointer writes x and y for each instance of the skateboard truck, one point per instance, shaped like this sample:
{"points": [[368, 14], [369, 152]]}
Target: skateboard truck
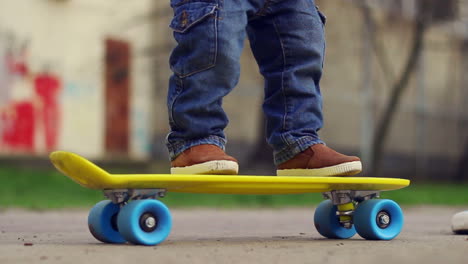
{"points": [[345, 201], [121, 196]]}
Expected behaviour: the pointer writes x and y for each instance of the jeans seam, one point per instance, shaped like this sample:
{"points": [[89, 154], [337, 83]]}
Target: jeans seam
{"points": [[283, 126], [180, 85]]}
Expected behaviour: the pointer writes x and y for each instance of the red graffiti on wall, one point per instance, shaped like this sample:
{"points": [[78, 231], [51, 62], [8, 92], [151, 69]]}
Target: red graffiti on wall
{"points": [[29, 106], [47, 87], [18, 114]]}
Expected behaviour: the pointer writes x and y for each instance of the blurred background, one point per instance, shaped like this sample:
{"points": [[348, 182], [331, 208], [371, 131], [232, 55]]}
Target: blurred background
{"points": [[91, 76]]}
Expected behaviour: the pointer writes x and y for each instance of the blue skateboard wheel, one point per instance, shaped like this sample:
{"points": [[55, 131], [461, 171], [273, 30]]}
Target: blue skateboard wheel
{"points": [[378, 219], [328, 224], [145, 222], [102, 222]]}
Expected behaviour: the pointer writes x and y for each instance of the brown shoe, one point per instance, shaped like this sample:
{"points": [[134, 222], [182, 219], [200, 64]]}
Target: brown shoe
{"points": [[320, 160], [204, 159]]}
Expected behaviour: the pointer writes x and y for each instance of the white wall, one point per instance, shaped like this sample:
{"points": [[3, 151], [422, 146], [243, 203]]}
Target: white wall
{"points": [[69, 35]]}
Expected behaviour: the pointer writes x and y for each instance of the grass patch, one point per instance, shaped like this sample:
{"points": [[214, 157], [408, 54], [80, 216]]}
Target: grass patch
{"points": [[430, 194], [31, 189]]}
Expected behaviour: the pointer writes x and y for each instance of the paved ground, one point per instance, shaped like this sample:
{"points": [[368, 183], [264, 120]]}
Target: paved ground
{"points": [[229, 236]]}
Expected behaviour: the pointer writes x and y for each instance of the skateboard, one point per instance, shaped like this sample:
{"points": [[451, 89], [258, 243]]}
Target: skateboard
{"points": [[133, 211]]}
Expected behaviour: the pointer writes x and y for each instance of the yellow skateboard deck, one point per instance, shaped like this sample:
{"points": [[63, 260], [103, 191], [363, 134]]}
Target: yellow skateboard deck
{"points": [[91, 176]]}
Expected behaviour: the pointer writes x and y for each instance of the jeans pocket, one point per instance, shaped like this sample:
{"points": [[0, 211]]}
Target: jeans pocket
{"points": [[195, 31]]}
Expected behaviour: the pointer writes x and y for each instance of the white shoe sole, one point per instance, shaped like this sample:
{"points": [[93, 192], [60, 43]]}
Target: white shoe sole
{"points": [[460, 223], [344, 169], [222, 167]]}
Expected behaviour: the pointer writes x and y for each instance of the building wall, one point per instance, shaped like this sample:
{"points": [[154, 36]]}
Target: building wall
{"points": [[67, 38], [429, 127]]}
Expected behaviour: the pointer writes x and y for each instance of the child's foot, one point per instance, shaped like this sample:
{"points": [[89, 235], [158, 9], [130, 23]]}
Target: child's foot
{"points": [[204, 159], [460, 223], [320, 160]]}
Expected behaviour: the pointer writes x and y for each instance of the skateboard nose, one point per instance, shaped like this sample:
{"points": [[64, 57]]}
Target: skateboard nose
{"points": [[57, 161]]}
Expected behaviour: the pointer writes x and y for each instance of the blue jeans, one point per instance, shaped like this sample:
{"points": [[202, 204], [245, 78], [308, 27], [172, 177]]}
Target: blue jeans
{"points": [[287, 40]]}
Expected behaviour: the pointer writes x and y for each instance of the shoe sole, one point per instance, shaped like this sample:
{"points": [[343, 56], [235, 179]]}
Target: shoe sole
{"points": [[344, 169], [221, 167], [460, 223]]}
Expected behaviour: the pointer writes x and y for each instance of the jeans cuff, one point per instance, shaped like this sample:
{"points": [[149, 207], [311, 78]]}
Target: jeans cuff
{"points": [[297, 147], [176, 148]]}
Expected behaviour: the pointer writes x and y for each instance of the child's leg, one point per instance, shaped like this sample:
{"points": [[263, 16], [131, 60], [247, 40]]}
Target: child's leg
{"points": [[205, 62], [288, 43], [287, 39]]}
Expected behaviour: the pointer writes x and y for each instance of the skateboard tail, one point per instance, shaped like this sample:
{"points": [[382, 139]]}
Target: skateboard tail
{"points": [[80, 169]]}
